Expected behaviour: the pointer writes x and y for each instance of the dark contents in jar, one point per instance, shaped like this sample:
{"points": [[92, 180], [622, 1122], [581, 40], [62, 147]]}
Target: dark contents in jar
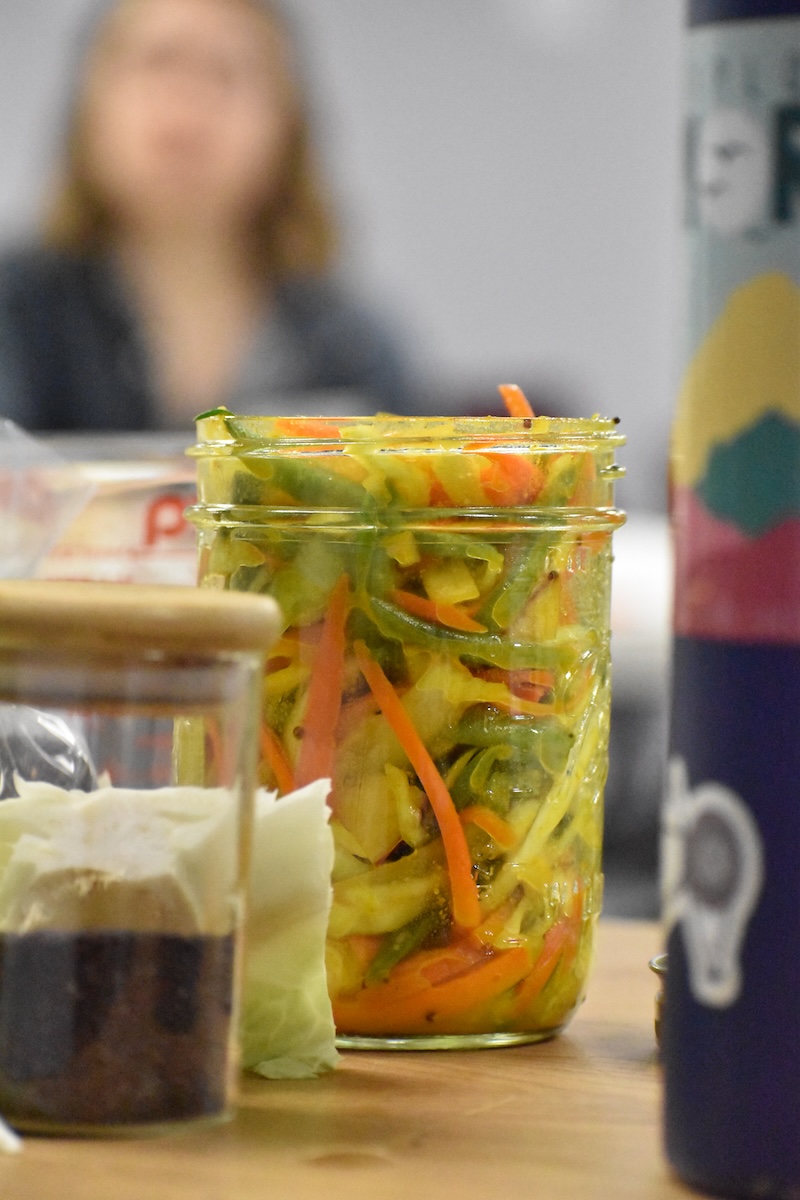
{"points": [[113, 1028]]}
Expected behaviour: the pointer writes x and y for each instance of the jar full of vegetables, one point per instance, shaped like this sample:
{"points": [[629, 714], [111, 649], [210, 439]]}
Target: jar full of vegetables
{"points": [[444, 660]]}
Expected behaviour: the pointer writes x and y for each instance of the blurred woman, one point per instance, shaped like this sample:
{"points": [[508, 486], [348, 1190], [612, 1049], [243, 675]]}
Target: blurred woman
{"points": [[187, 256]]}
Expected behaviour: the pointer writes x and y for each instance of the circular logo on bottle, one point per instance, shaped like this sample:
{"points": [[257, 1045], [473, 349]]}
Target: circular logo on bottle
{"points": [[712, 873], [713, 860]]}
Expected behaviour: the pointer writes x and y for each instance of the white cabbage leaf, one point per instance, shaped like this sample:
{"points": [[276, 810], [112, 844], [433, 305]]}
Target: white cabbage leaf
{"points": [[287, 1029]]}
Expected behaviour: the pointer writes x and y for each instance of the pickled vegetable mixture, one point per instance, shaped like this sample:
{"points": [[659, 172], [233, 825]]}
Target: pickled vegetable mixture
{"points": [[445, 662]]}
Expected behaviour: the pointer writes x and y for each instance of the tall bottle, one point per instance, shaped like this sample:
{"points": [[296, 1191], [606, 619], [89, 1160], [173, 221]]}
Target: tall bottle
{"points": [[731, 840]]}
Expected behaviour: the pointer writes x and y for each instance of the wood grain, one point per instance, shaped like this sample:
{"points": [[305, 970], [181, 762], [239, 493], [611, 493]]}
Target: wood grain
{"points": [[577, 1117]]}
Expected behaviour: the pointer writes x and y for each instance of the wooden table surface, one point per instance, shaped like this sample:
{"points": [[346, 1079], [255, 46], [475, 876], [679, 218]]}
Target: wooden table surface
{"points": [[576, 1118]]}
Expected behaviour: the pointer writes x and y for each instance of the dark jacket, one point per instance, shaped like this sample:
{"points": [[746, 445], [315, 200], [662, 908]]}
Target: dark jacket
{"points": [[72, 356]]}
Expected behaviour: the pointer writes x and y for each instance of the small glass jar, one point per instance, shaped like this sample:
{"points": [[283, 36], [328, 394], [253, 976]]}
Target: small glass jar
{"points": [[128, 749], [444, 659]]}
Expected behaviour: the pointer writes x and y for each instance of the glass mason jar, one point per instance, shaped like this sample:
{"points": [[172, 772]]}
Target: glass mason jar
{"points": [[128, 752], [444, 660]]}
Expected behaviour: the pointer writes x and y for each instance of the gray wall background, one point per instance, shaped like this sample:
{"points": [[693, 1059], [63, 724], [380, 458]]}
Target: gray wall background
{"points": [[507, 172]]}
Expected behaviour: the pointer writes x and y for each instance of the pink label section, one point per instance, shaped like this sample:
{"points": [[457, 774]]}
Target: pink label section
{"points": [[732, 586]]}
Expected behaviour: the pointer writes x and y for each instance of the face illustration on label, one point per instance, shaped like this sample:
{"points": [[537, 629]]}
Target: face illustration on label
{"points": [[732, 171], [712, 873]]}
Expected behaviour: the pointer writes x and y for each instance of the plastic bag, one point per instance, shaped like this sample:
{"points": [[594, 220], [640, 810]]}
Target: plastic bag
{"points": [[42, 747], [40, 494]]}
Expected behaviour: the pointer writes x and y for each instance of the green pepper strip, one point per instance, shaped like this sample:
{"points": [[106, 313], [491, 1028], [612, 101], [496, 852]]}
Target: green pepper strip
{"points": [[252, 579], [380, 571], [310, 484], [457, 545], [525, 568], [393, 622], [544, 738], [388, 652], [248, 490], [398, 945], [473, 785]]}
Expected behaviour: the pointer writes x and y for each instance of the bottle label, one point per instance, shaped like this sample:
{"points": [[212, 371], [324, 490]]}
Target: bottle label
{"points": [[736, 440]]}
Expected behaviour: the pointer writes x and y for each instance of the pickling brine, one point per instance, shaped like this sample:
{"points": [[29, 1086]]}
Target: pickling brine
{"points": [[444, 659]]}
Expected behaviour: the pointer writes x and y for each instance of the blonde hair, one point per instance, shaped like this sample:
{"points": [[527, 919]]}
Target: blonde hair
{"points": [[293, 232]]}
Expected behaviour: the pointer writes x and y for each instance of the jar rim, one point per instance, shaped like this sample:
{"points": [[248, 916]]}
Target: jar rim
{"points": [[226, 430]]}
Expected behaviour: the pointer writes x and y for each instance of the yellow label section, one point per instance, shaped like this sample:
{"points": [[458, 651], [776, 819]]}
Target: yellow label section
{"points": [[748, 365]]}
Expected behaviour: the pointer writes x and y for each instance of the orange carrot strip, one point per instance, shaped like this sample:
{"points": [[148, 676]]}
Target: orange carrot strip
{"points": [[276, 759], [215, 752], [509, 479], [593, 542], [498, 830], [525, 477], [533, 692], [584, 485], [575, 918], [466, 908], [318, 747], [437, 610], [515, 400], [364, 947], [519, 680], [438, 497], [377, 1010], [495, 922], [213, 740], [303, 427], [429, 968], [556, 941]]}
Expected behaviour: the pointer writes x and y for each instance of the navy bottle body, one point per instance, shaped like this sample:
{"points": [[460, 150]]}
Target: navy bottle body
{"points": [[731, 1025]]}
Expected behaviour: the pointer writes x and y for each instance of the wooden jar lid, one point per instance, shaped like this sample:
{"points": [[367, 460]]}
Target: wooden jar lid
{"points": [[123, 619]]}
